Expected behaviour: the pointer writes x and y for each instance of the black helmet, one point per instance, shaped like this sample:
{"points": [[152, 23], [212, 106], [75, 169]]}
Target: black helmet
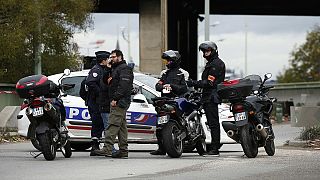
{"points": [[208, 45], [173, 56]]}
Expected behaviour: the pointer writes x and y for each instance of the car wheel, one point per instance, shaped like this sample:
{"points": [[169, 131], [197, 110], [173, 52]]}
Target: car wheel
{"points": [[80, 146]]}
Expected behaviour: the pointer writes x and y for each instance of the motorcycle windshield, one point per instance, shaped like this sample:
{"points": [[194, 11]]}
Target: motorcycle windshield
{"points": [[255, 80]]}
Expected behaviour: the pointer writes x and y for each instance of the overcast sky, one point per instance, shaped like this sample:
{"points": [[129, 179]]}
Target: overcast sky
{"points": [[270, 39]]}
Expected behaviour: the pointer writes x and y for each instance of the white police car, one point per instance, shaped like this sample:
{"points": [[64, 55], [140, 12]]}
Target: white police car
{"points": [[141, 115]]}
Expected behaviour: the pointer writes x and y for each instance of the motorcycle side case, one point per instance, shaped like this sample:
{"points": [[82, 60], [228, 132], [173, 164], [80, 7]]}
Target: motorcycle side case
{"points": [[33, 86], [235, 89]]}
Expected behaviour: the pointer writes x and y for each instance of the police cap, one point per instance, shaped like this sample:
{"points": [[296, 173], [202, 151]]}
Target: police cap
{"points": [[101, 55]]}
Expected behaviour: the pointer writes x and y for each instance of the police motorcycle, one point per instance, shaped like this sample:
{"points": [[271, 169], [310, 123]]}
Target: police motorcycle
{"points": [[46, 113], [180, 123], [251, 107]]}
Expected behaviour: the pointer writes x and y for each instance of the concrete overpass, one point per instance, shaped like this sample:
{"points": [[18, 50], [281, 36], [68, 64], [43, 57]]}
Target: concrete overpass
{"points": [[307, 93], [172, 24]]}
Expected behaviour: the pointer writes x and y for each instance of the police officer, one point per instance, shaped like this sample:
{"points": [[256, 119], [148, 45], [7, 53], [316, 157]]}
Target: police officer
{"points": [[121, 85], [213, 74], [94, 88], [171, 84]]}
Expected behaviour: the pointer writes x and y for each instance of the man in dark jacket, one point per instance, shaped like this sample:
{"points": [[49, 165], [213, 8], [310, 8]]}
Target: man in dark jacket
{"points": [[121, 84], [104, 99], [212, 75], [171, 84], [93, 81]]}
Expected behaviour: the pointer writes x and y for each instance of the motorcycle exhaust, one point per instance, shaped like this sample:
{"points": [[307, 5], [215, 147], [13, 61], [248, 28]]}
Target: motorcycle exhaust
{"points": [[191, 116], [230, 133], [261, 130]]}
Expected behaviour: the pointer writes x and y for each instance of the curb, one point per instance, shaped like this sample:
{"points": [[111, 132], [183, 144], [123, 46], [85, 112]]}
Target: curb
{"points": [[295, 143]]}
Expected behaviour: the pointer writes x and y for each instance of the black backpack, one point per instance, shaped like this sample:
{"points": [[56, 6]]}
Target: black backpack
{"points": [[83, 92]]}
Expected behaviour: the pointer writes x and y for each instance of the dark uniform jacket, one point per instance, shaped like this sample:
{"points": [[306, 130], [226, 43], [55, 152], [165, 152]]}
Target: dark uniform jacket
{"points": [[121, 84], [216, 68], [93, 82], [174, 77]]}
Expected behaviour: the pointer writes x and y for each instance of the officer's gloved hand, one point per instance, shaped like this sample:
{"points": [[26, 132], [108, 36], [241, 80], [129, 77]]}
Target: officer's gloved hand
{"points": [[166, 88], [192, 83]]}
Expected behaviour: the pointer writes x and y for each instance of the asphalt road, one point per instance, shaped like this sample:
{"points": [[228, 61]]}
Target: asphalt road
{"points": [[16, 162]]}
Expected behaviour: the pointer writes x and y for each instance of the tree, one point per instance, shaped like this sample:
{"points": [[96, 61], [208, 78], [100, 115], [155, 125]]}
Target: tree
{"points": [[23, 24], [305, 60]]}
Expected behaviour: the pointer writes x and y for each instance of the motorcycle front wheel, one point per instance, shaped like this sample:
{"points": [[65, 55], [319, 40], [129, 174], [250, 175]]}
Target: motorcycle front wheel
{"points": [[66, 150], [270, 147], [171, 143], [33, 137], [201, 142], [201, 146], [48, 147], [248, 142]]}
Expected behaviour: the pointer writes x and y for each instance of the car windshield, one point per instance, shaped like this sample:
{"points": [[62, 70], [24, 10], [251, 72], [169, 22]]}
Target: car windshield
{"points": [[147, 80]]}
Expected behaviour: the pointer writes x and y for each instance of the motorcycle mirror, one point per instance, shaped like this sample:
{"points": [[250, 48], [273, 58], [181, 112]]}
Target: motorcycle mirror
{"points": [[67, 72], [139, 98], [274, 100], [268, 76]]}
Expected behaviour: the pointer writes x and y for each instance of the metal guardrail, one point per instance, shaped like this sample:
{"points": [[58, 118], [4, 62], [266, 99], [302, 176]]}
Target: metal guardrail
{"points": [[299, 85], [8, 96]]}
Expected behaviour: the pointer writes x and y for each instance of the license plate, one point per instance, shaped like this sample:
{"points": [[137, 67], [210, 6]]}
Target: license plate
{"points": [[240, 116], [37, 111], [162, 119]]}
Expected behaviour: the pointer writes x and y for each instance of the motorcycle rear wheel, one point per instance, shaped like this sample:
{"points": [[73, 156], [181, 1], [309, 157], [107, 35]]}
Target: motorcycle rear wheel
{"points": [[48, 147], [66, 150], [172, 145], [269, 146], [248, 142]]}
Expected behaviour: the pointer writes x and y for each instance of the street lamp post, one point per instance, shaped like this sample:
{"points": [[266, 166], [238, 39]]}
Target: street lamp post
{"points": [[127, 38], [245, 49], [207, 20], [37, 58]]}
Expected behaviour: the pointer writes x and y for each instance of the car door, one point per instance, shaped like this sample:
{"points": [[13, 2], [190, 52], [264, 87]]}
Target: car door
{"points": [[77, 115], [141, 115]]}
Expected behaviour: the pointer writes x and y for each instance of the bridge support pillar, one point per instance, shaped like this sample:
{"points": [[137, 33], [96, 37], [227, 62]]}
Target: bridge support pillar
{"points": [[152, 20]]}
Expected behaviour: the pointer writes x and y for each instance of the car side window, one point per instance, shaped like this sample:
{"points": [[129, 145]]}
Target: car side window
{"points": [[146, 93], [73, 80]]}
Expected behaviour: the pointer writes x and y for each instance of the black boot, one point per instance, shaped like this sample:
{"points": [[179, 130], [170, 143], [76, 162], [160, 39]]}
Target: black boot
{"points": [[94, 146], [120, 154], [158, 152], [214, 152]]}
